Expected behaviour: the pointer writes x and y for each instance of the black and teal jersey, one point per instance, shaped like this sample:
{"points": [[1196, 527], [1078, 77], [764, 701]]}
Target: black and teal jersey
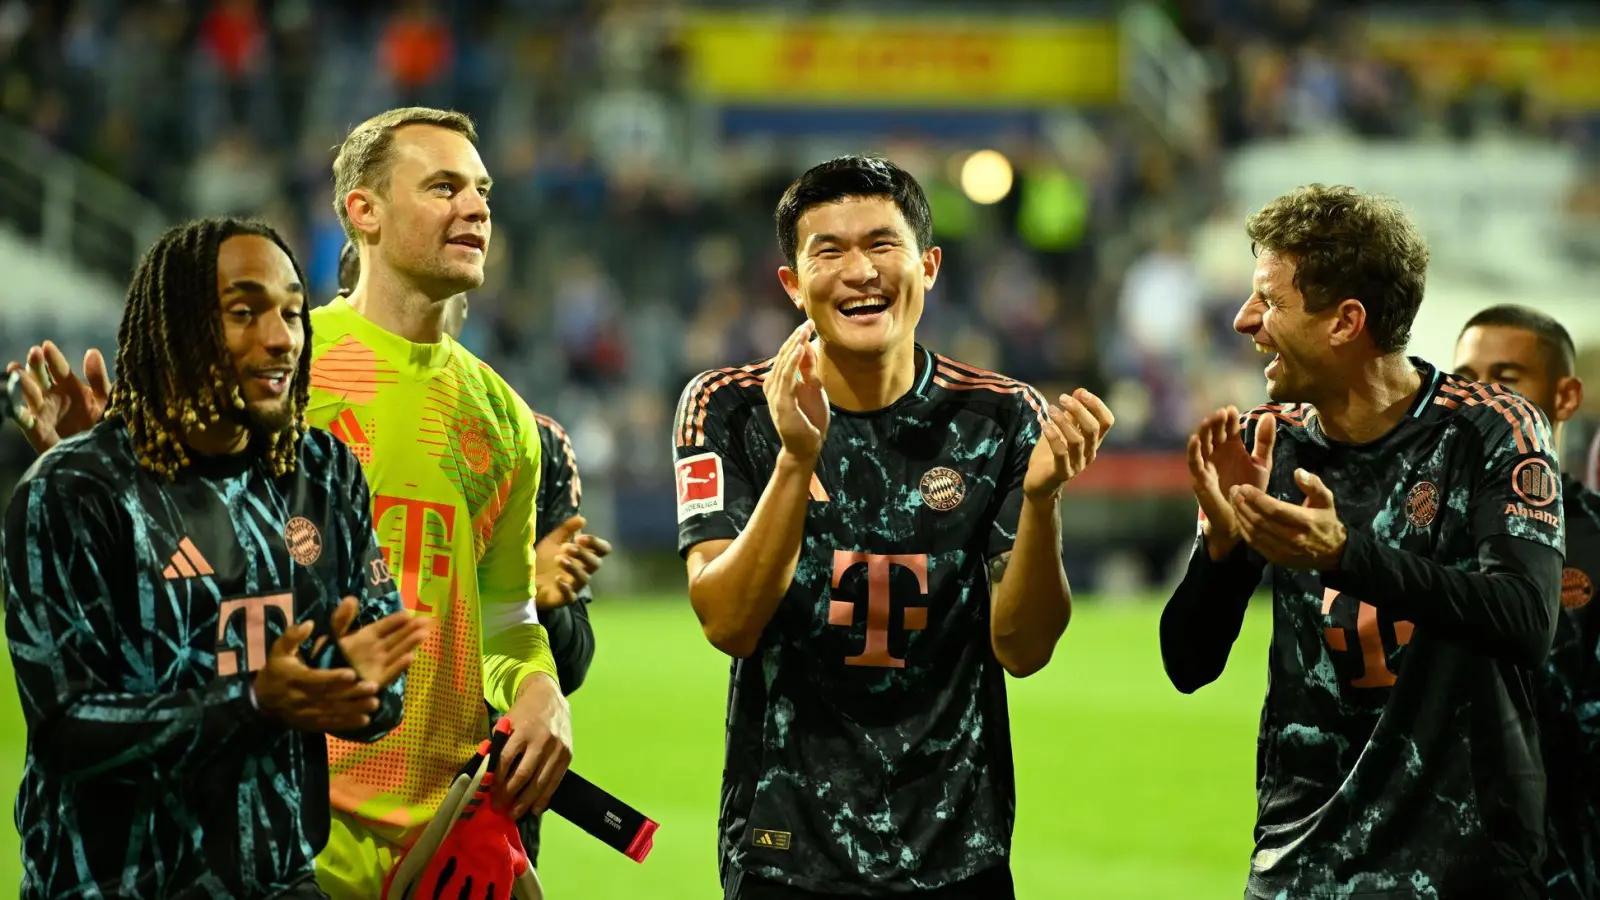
{"points": [[868, 740], [571, 636], [1569, 711], [1399, 753], [137, 611]]}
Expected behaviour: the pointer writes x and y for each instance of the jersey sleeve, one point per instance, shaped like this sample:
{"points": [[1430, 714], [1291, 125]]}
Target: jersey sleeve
{"points": [[1506, 606], [1582, 578], [1020, 440], [514, 643], [1205, 614], [560, 488], [65, 538], [716, 491], [560, 496], [371, 583], [571, 642], [1516, 490]]}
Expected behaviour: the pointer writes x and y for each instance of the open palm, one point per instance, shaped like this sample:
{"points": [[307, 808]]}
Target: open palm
{"points": [[1219, 462], [57, 403], [809, 396], [378, 651], [795, 395]]}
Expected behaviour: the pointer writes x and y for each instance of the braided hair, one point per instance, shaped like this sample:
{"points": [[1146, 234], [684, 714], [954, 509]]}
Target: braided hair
{"points": [[174, 369]]}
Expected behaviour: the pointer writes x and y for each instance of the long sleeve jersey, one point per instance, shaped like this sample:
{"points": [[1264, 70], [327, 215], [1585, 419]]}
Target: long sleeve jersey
{"points": [[137, 611]]}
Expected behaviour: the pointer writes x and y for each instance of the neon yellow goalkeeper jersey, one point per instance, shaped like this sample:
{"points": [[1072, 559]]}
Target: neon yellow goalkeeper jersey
{"points": [[452, 456]]}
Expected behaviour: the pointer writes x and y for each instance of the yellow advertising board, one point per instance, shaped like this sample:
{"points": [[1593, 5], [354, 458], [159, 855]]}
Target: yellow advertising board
{"points": [[885, 61], [1560, 68]]}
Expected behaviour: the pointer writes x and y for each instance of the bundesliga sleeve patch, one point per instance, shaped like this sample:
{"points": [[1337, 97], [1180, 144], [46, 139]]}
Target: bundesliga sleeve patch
{"points": [[699, 485]]}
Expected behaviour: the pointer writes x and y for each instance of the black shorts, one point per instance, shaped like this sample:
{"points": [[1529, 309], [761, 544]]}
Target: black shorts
{"points": [[994, 884]]}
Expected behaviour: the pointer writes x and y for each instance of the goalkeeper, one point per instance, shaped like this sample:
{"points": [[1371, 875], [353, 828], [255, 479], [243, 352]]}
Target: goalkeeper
{"points": [[566, 560]]}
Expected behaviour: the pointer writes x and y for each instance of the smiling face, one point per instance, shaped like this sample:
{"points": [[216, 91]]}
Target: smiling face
{"points": [[262, 304], [1275, 318], [859, 274]]}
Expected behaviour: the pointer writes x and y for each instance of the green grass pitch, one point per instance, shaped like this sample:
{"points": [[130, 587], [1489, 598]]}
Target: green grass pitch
{"points": [[1127, 789]]}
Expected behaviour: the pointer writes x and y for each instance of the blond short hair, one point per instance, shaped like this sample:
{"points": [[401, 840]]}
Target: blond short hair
{"points": [[366, 158]]}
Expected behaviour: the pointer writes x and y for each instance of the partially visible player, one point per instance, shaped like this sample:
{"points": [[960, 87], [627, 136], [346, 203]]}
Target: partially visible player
{"points": [[1413, 523], [1529, 351], [872, 532], [1591, 471], [163, 573], [566, 559]]}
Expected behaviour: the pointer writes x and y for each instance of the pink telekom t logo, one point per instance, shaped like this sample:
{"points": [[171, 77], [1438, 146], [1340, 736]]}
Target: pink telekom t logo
{"points": [[255, 630], [842, 612]]}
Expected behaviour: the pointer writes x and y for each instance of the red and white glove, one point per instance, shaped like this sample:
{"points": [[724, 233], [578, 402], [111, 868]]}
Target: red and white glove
{"points": [[470, 850]]}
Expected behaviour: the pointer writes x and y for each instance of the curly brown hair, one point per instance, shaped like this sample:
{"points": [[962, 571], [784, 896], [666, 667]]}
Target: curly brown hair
{"points": [[173, 366], [1346, 244]]}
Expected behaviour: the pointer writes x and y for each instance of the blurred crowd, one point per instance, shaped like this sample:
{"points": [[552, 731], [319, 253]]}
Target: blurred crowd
{"points": [[633, 247]]}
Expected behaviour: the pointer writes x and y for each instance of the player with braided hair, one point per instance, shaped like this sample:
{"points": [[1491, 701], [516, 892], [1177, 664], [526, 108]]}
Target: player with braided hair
{"points": [[170, 355], [195, 597]]}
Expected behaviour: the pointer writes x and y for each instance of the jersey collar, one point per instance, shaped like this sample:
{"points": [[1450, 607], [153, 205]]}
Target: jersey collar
{"points": [[425, 359], [1431, 377]]}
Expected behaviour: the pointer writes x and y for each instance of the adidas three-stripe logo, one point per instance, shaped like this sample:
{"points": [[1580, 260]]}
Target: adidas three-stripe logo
{"points": [[186, 563]]}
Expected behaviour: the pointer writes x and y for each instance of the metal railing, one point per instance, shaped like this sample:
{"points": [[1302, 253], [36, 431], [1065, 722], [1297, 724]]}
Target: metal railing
{"points": [[1163, 77], [75, 212]]}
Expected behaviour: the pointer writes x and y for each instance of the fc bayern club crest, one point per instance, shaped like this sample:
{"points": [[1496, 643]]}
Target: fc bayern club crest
{"points": [[1422, 504], [942, 489], [304, 540]]}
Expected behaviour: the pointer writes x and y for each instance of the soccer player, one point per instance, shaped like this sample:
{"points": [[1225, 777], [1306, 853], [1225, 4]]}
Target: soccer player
{"points": [[566, 560], [454, 459], [163, 572], [871, 532], [1528, 351], [1412, 522]]}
